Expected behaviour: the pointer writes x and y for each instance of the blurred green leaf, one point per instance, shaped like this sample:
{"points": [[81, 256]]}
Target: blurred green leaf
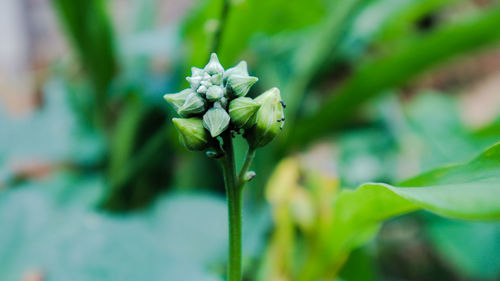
{"points": [[267, 17], [418, 54], [471, 248], [89, 29], [467, 191]]}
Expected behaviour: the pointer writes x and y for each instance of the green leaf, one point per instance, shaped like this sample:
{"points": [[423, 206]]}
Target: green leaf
{"points": [[419, 53], [466, 191], [472, 248], [89, 29]]}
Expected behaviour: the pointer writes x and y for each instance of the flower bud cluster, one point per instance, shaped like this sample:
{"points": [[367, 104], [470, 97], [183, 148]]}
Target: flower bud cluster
{"points": [[216, 102]]}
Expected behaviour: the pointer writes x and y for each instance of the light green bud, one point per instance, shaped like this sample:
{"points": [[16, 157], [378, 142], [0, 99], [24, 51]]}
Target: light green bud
{"points": [[216, 79], [197, 72], [214, 66], [206, 83], [239, 69], [194, 104], [177, 100], [240, 84], [194, 81], [269, 118], [193, 134], [202, 90], [243, 112], [216, 120], [215, 93]]}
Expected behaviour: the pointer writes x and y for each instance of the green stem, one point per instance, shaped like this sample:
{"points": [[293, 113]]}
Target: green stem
{"points": [[222, 24], [233, 192], [246, 166]]}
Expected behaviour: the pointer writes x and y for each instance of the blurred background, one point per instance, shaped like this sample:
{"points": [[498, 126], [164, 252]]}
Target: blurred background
{"points": [[94, 184]]}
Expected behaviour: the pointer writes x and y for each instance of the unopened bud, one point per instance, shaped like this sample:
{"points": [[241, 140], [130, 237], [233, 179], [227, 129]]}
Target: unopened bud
{"points": [[216, 120], [214, 93], [194, 82], [269, 118], [243, 111], [240, 84], [194, 104], [249, 176], [197, 72], [216, 79], [239, 69], [193, 134], [177, 100], [202, 90], [214, 66]]}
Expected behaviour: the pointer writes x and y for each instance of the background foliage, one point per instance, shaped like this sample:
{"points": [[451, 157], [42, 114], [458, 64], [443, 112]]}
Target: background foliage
{"points": [[120, 199]]}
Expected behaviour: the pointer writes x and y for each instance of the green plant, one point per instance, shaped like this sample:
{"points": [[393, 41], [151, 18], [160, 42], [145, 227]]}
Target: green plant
{"points": [[334, 222], [214, 109]]}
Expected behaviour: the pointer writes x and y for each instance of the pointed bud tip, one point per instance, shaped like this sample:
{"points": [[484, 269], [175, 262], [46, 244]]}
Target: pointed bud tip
{"points": [[241, 84]]}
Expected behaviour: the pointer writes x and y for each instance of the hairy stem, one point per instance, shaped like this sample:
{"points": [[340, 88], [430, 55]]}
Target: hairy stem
{"points": [[233, 191]]}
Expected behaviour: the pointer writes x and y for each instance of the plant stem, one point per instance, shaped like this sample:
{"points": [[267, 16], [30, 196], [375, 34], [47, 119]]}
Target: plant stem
{"points": [[246, 166], [220, 29], [233, 191]]}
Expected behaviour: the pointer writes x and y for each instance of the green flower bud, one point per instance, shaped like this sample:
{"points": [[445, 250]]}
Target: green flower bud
{"points": [[194, 104], [197, 72], [202, 90], [216, 79], [243, 112], [269, 118], [239, 69], [177, 100], [194, 81], [215, 93], [214, 66], [240, 84], [216, 120], [193, 134], [206, 83]]}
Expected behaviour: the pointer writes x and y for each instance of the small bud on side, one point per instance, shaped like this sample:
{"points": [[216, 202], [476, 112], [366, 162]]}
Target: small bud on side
{"points": [[214, 93], [193, 134], [240, 84], [194, 104], [266, 122], [214, 66], [249, 176], [239, 69], [216, 121], [243, 111], [177, 100]]}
